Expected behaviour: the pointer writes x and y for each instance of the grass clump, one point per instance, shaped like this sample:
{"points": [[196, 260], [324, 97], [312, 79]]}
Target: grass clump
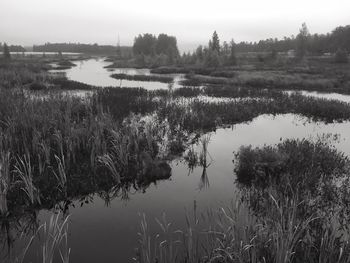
{"points": [[314, 170], [163, 79]]}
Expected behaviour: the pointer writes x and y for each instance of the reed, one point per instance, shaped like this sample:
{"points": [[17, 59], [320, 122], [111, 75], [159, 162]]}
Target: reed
{"points": [[235, 234], [54, 239], [107, 161], [24, 170], [204, 154], [5, 181], [61, 175]]}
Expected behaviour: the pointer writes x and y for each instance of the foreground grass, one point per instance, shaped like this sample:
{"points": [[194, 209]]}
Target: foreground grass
{"points": [[233, 234], [292, 208]]}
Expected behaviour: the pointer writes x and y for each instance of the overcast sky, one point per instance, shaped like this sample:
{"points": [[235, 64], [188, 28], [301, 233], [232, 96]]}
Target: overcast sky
{"points": [[30, 22]]}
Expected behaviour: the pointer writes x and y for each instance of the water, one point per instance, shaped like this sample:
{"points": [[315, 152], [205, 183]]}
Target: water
{"points": [[100, 233], [327, 96], [93, 72]]}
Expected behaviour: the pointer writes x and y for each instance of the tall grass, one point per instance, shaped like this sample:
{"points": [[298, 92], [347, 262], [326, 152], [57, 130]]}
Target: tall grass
{"points": [[24, 170], [5, 181], [204, 154], [54, 239], [234, 234]]}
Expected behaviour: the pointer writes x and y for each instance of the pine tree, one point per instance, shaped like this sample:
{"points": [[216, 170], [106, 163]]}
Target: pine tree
{"points": [[214, 44], [232, 58], [302, 40], [7, 54]]}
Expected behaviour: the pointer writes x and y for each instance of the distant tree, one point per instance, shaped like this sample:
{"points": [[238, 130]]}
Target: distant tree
{"points": [[214, 43], [212, 59], [118, 51], [164, 42], [341, 56], [140, 60], [302, 40], [6, 52], [145, 44], [172, 54], [199, 53], [232, 57], [273, 55], [225, 48]]}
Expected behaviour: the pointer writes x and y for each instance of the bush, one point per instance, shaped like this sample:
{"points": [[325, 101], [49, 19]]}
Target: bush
{"points": [[37, 86]]}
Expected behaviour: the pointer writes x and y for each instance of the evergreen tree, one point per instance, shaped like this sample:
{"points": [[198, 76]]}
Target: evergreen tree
{"points": [[302, 40], [6, 54], [214, 44], [232, 57], [212, 59]]}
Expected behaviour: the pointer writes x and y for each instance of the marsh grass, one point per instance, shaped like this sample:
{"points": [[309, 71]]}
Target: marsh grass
{"points": [[204, 153], [59, 136], [199, 157], [277, 217], [54, 238], [234, 234], [24, 170], [163, 79], [58, 148], [5, 181], [315, 168]]}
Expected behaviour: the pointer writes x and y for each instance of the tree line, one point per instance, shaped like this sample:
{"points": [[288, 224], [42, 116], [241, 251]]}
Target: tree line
{"points": [[217, 54], [316, 44], [12, 48], [81, 48]]}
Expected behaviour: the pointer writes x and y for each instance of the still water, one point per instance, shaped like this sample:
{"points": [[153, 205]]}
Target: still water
{"points": [[108, 233], [93, 72]]}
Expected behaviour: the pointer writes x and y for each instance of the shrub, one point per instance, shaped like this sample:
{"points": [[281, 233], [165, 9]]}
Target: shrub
{"points": [[313, 170]]}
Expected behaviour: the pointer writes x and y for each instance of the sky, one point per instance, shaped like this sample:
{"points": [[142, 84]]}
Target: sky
{"points": [[28, 22]]}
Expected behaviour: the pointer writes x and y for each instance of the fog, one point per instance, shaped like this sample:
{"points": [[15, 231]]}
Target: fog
{"points": [[28, 22]]}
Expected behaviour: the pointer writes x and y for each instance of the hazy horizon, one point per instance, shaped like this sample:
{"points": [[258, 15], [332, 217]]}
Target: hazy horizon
{"points": [[31, 22]]}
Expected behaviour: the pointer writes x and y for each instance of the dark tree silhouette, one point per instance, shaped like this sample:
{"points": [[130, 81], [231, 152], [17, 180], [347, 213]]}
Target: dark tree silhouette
{"points": [[214, 43], [302, 41], [232, 57], [145, 44], [6, 54]]}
